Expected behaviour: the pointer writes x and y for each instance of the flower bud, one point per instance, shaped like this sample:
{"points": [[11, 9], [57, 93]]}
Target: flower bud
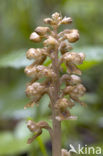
{"points": [[62, 103], [48, 73], [40, 68], [33, 127], [56, 16], [76, 58], [82, 56], [30, 53], [66, 20], [35, 37], [30, 71], [34, 89], [64, 47], [45, 71], [34, 53], [49, 21], [63, 115], [37, 127], [68, 90], [74, 79], [77, 90], [30, 104], [50, 41], [73, 36], [42, 30], [72, 69]]}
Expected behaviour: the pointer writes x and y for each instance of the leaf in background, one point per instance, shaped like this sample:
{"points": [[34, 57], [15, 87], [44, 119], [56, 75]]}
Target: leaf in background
{"points": [[13, 99], [11, 145], [14, 59], [94, 55]]}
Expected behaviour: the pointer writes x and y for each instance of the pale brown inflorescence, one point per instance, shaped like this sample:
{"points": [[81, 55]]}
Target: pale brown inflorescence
{"points": [[61, 44]]}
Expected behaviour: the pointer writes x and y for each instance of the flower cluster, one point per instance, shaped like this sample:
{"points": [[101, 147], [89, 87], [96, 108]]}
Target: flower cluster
{"points": [[56, 45], [62, 111], [37, 128]]}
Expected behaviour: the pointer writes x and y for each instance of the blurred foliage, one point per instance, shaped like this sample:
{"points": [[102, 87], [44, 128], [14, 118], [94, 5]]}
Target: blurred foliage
{"points": [[17, 20]]}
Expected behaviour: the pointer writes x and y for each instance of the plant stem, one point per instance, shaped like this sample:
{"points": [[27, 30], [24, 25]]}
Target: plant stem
{"points": [[56, 138]]}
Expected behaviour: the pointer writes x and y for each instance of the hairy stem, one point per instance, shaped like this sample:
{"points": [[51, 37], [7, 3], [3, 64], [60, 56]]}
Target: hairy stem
{"points": [[56, 138]]}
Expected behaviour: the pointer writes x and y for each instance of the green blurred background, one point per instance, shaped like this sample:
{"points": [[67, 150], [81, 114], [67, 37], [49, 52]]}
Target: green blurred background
{"points": [[18, 18]]}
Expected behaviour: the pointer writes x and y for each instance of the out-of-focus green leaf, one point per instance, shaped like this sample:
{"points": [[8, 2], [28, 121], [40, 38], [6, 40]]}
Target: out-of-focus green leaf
{"points": [[11, 145], [13, 100], [87, 19], [87, 64], [90, 98], [94, 55], [15, 59], [15, 142]]}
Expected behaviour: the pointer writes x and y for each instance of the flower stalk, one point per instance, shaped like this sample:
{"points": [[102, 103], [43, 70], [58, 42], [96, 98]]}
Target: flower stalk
{"points": [[57, 46]]}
